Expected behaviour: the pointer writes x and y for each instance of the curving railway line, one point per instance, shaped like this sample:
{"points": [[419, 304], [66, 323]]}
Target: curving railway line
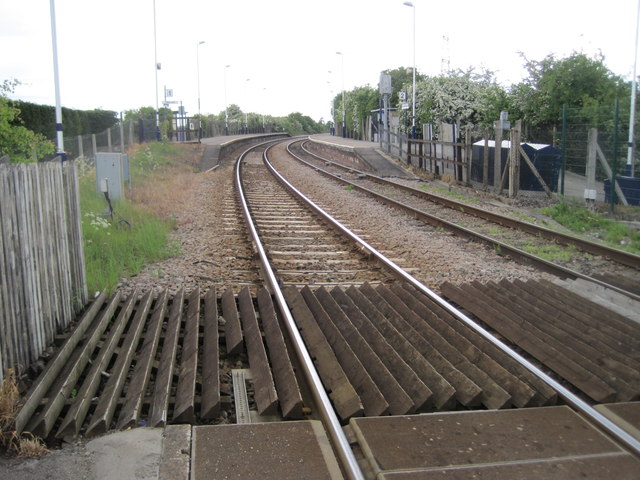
{"points": [[610, 267], [511, 369], [337, 331]]}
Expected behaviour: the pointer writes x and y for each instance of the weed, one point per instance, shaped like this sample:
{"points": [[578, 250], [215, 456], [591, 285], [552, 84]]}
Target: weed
{"points": [[348, 188], [9, 397], [552, 253], [31, 446], [27, 444]]}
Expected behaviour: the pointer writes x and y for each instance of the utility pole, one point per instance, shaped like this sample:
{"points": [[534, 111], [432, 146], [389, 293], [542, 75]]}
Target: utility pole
{"points": [[56, 80]]}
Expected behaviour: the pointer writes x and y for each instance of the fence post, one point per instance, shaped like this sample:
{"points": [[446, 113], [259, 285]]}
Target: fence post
{"points": [[514, 161], [121, 137], [485, 160], [94, 145], [497, 161], [590, 193], [80, 147], [467, 154], [614, 160], [130, 132], [109, 146], [564, 147]]}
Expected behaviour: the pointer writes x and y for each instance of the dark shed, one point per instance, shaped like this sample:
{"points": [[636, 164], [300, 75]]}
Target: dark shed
{"points": [[546, 159]]}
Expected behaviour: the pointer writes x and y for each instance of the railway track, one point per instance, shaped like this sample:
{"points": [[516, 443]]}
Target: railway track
{"points": [[573, 257], [429, 309], [340, 332], [302, 248]]}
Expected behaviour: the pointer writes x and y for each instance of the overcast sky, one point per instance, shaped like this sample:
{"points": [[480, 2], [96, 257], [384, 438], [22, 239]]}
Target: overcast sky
{"points": [[282, 53]]}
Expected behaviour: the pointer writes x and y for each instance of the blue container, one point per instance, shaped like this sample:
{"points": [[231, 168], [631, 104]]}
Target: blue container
{"points": [[630, 186]]}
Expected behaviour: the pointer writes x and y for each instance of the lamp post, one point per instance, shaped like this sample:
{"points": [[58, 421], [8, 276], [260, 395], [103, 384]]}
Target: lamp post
{"points": [[155, 49], [344, 115], [264, 95], [56, 81], [226, 105], [413, 102], [632, 115], [198, 68], [246, 114]]}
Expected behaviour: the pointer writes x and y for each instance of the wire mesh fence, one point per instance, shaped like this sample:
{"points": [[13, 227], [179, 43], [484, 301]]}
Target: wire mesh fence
{"points": [[600, 133]]}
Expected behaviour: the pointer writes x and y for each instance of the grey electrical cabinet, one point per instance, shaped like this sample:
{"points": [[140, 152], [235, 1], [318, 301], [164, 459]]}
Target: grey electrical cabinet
{"points": [[113, 168]]}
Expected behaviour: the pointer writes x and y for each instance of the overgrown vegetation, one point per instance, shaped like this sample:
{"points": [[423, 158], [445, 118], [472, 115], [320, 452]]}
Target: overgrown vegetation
{"points": [[26, 444], [580, 220], [161, 175], [16, 140]]}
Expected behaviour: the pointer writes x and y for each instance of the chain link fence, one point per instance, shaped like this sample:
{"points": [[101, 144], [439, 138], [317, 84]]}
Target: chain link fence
{"points": [[115, 139]]}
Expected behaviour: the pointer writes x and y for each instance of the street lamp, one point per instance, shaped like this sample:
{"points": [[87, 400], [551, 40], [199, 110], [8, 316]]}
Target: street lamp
{"points": [[56, 81], [413, 109], [264, 90], [246, 118], [333, 113], [155, 49], [198, 67], [344, 115], [632, 118], [226, 105]]}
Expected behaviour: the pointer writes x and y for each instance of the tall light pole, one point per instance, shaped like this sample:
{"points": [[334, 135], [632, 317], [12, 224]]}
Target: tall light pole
{"points": [[246, 118], [56, 81], [226, 105], [264, 95], [413, 103], [632, 116], [157, 65], [333, 113], [344, 115], [198, 67]]}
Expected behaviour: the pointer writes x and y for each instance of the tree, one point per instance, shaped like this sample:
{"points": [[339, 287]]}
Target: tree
{"points": [[464, 97], [17, 141], [146, 117], [577, 81], [402, 79], [358, 105]]}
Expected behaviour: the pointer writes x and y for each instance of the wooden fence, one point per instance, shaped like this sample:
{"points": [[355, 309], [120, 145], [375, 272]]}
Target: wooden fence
{"points": [[42, 275]]}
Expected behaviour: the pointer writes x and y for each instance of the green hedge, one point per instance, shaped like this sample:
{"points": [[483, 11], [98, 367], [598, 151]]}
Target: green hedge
{"points": [[41, 119]]}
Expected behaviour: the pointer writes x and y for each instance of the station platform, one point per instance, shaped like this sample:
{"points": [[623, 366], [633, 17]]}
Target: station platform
{"points": [[367, 152], [260, 451], [531, 443], [215, 146]]}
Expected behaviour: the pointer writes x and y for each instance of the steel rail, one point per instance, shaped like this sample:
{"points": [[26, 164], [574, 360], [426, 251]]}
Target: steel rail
{"points": [[332, 424], [598, 419], [620, 256], [504, 248]]}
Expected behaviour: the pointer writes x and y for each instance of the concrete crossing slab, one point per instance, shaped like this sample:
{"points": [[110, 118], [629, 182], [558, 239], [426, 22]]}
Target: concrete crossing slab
{"points": [[263, 451], [488, 441]]}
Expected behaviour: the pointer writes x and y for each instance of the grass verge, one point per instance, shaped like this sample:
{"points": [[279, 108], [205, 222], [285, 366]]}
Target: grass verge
{"points": [[580, 220], [115, 248]]}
